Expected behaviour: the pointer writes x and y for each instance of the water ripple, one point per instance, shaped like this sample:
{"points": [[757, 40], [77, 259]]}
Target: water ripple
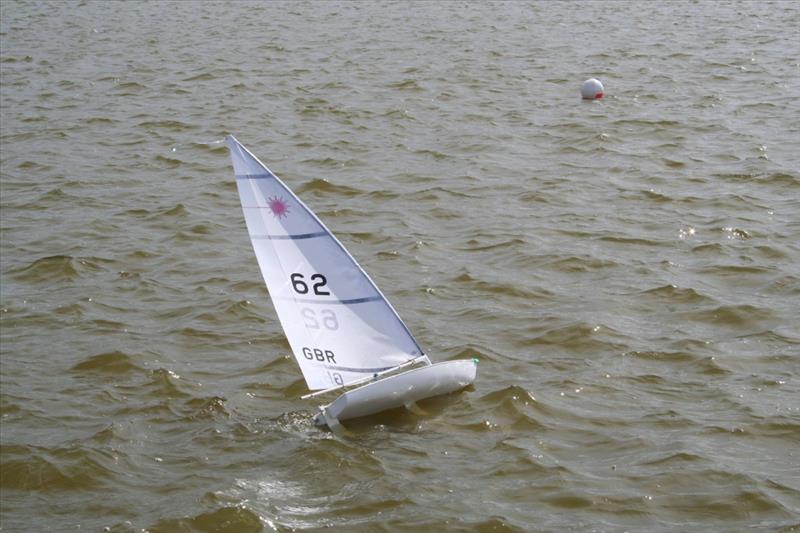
{"points": [[624, 269]]}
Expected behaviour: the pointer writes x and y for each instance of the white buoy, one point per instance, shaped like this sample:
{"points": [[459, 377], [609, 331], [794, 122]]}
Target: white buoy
{"points": [[592, 89]]}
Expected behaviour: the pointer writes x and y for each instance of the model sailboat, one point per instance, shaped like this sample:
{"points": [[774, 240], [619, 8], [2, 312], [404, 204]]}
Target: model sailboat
{"points": [[342, 330]]}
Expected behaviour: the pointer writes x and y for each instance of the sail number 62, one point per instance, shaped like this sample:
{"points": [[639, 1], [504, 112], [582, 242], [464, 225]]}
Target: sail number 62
{"points": [[301, 287]]}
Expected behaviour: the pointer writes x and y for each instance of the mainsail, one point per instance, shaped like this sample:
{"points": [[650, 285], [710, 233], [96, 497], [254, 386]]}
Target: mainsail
{"points": [[340, 326]]}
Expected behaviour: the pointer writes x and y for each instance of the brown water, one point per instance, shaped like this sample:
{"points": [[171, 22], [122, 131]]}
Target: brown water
{"points": [[626, 269]]}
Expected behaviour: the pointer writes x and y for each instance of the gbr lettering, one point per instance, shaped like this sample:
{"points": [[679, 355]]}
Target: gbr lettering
{"points": [[315, 354]]}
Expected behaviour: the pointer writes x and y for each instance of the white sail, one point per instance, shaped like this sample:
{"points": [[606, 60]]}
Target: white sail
{"points": [[339, 325]]}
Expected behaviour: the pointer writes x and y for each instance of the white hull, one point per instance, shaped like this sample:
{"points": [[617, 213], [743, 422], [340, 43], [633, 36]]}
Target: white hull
{"points": [[398, 391]]}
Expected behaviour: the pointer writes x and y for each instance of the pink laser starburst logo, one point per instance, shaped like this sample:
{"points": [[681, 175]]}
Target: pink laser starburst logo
{"points": [[278, 206]]}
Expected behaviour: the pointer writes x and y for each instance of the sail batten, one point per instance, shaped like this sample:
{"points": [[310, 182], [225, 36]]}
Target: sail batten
{"points": [[352, 301], [255, 176], [338, 323], [285, 237], [361, 370]]}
